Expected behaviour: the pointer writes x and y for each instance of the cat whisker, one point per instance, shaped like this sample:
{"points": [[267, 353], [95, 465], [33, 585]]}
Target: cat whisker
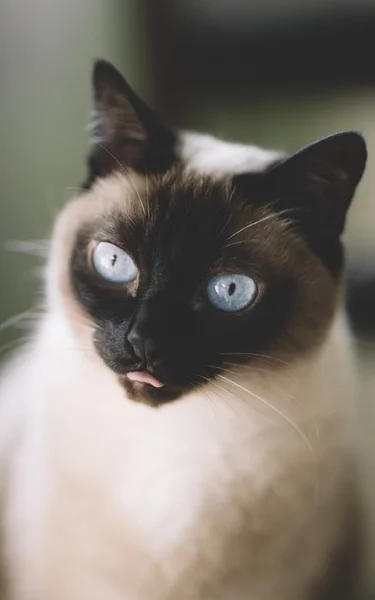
{"points": [[87, 328], [31, 315], [37, 248], [257, 369], [82, 320], [255, 355], [292, 424], [32, 275], [203, 394], [14, 344], [242, 366], [229, 218], [272, 407], [222, 399], [262, 220], [81, 349], [147, 197], [305, 440], [222, 369], [127, 172], [222, 388], [86, 324]]}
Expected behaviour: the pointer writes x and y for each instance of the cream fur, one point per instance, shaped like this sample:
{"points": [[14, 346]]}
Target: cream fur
{"points": [[204, 498], [110, 499], [207, 155]]}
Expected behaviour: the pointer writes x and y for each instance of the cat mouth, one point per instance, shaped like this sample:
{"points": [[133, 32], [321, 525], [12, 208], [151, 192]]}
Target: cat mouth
{"points": [[143, 387], [144, 377]]}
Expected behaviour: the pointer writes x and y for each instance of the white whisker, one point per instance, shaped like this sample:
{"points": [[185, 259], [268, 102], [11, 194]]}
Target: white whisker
{"points": [[229, 218], [212, 405], [272, 216], [147, 197], [14, 343], [31, 315], [82, 319], [37, 248], [221, 388], [127, 173], [255, 355], [272, 407], [258, 369]]}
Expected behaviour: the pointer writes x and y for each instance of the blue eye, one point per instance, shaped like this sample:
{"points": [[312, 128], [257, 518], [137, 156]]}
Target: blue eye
{"points": [[231, 292], [113, 264]]}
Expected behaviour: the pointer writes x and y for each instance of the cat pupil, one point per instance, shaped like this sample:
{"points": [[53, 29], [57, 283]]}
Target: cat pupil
{"points": [[113, 259], [232, 289]]}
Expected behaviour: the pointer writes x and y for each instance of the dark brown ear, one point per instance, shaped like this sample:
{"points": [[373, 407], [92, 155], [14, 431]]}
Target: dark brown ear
{"points": [[125, 132], [317, 183]]}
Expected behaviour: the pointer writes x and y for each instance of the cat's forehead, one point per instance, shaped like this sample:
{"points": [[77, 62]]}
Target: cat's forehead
{"points": [[183, 211], [178, 191], [173, 200]]}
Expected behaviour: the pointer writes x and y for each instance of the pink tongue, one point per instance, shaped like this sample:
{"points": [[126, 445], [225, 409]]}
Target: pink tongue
{"points": [[144, 377]]}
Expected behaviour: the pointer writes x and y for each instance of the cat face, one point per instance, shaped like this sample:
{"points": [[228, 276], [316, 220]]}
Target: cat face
{"points": [[183, 275]]}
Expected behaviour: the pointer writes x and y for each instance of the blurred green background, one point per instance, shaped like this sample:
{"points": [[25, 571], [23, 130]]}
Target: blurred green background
{"points": [[47, 49]]}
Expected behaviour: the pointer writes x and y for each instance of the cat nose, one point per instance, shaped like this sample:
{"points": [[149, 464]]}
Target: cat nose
{"points": [[138, 342], [141, 342], [143, 347]]}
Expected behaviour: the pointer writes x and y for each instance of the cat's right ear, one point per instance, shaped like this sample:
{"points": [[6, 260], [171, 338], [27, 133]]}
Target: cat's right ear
{"points": [[125, 132], [316, 184]]}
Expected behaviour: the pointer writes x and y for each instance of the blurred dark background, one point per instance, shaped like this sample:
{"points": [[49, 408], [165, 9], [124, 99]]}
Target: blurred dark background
{"points": [[279, 73]]}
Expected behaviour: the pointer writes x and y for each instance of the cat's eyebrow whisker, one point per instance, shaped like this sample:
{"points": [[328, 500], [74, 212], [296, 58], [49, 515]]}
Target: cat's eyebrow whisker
{"points": [[271, 216], [274, 408], [127, 172], [229, 218]]}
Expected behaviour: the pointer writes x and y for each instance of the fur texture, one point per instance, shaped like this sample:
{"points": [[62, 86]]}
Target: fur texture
{"points": [[236, 486]]}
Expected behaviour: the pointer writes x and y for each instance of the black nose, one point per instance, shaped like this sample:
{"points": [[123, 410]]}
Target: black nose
{"points": [[138, 342], [140, 336]]}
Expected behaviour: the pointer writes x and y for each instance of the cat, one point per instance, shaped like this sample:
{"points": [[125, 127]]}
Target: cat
{"points": [[179, 428]]}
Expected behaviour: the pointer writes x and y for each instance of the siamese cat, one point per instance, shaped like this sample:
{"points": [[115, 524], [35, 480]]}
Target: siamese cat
{"points": [[178, 427]]}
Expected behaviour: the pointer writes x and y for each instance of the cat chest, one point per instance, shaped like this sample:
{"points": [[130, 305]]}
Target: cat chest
{"points": [[128, 492], [133, 515]]}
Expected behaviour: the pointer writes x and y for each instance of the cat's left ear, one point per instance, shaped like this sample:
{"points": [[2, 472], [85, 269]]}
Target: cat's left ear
{"points": [[317, 183], [125, 131]]}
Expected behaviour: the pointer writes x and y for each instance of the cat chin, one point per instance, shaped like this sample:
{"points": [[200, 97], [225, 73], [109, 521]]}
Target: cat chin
{"points": [[145, 393]]}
